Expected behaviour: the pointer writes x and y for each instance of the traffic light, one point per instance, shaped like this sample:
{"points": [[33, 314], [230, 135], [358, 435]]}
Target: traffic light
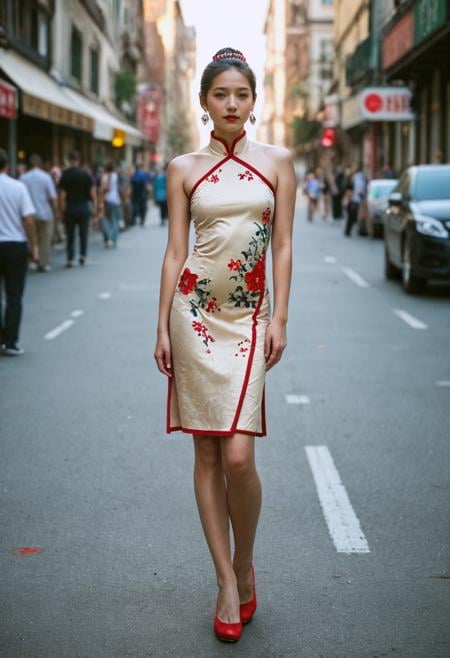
{"points": [[328, 137]]}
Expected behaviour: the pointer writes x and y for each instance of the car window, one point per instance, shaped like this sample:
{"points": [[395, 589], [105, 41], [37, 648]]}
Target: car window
{"points": [[382, 189], [432, 184]]}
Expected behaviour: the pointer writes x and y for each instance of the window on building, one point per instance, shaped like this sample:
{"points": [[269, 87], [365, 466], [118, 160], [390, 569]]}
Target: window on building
{"points": [[326, 58], [94, 70], [76, 49], [28, 28]]}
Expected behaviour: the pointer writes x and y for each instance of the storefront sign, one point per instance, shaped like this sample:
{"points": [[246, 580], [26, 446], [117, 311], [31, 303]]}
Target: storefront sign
{"points": [[429, 15], [8, 101], [331, 111], [148, 113], [54, 113], [386, 104], [399, 41]]}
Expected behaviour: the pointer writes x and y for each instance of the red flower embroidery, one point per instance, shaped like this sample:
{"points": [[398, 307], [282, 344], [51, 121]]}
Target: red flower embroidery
{"points": [[214, 178], [202, 331], [234, 265], [187, 282], [212, 305], [243, 347], [256, 279], [247, 174], [266, 216]]}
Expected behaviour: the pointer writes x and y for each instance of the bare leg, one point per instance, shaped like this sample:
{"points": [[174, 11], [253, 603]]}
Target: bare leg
{"points": [[244, 505], [211, 496]]}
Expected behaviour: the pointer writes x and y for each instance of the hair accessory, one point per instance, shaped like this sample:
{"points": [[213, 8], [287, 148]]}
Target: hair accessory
{"points": [[205, 118], [229, 55], [252, 118]]}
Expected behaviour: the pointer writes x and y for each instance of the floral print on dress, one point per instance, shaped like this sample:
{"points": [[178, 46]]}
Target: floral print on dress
{"points": [[214, 178], [247, 174], [249, 272], [243, 347], [266, 216], [202, 331], [190, 283]]}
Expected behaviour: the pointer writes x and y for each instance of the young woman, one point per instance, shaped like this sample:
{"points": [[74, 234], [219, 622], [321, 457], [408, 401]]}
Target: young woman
{"points": [[215, 336]]}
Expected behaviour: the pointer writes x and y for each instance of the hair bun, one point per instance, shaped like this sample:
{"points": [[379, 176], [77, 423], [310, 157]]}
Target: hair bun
{"points": [[228, 54]]}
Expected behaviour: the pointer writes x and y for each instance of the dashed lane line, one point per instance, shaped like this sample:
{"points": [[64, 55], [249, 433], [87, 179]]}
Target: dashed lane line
{"points": [[330, 259], [410, 320], [51, 335], [342, 522], [443, 383], [104, 295], [355, 277], [297, 399], [77, 313]]}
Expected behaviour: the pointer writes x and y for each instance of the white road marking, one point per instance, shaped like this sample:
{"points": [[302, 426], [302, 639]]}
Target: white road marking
{"points": [[410, 319], [342, 522], [443, 383], [104, 295], [355, 277], [330, 259], [77, 313], [59, 329], [296, 399]]}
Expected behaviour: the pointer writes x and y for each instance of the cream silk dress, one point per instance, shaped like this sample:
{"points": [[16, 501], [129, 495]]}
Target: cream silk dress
{"points": [[221, 306]]}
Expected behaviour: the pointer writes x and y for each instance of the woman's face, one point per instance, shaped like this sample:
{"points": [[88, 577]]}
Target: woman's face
{"points": [[229, 101]]}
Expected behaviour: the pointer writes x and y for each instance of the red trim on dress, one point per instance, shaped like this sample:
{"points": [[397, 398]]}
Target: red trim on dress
{"points": [[210, 171], [255, 171], [230, 151]]}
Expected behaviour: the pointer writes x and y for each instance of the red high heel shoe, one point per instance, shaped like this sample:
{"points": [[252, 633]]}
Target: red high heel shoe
{"points": [[248, 609], [227, 632]]}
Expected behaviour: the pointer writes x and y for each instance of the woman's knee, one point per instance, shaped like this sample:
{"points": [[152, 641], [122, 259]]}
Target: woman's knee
{"points": [[238, 462], [207, 452]]}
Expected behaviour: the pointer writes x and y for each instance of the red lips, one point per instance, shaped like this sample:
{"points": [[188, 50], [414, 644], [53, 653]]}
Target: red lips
{"points": [[231, 117]]}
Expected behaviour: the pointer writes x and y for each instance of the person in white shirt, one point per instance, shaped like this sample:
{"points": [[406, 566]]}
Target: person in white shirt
{"points": [[17, 239], [111, 198], [42, 190]]}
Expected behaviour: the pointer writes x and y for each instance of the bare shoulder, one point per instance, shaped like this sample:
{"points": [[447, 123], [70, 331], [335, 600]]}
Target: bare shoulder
{"points": [[278, 153], [185, 162]]}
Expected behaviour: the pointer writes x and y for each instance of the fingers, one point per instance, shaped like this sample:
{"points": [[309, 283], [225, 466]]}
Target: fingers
{"points": [[275, 354], [163, 362]]}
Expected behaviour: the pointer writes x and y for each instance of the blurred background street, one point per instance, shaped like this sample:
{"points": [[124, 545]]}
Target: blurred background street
{"points": [[101, 550]]}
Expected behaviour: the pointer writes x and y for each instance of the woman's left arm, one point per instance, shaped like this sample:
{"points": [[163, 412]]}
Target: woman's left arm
{"points": [[275, 340]]}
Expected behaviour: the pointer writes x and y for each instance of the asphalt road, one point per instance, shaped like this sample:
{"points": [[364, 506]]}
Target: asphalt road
{"points": [[352, 555]]}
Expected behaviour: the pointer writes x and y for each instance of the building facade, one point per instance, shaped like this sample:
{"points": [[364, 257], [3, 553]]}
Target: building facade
{"points": [[62, 60]]}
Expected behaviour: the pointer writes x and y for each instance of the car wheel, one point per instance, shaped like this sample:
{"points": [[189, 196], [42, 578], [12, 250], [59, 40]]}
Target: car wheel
{"points": [[390, 271], [411, 283]]}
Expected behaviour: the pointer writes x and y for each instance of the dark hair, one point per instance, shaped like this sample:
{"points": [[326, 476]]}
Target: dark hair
{"points": [[36, 160], [3, 159], [74, 156], [231, 58], [110, 166]]}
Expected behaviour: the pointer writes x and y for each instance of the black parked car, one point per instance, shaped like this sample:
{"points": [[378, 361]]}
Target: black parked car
{"points": [[417, 227]]}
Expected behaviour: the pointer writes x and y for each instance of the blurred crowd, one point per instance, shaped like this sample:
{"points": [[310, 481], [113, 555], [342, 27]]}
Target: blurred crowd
{"points": [[77, 199]]}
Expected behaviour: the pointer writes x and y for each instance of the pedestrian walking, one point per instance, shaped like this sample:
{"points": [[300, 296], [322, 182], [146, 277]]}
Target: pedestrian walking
{"points": [[140, 181], [42, 191], [312, 191], [337, 192], [17, 241], [215, 338], [160, 193], [76, 192], [111, 203], [358, 192]]}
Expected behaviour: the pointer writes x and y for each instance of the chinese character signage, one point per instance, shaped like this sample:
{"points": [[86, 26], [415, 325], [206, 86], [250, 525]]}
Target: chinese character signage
{"points": [[428, 16], [8, 101], [386, 104]]}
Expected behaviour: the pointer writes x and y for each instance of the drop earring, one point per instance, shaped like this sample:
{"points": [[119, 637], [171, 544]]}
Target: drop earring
{"points": [[205, 118], [252, 118]]}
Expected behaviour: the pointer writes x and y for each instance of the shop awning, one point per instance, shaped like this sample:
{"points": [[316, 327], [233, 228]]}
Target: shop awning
{"points": [[105, 123], [42, 97]]}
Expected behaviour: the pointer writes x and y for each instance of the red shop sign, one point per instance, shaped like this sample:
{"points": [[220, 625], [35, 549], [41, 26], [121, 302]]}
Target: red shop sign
{"points": [[399, 41], [8, 101]]}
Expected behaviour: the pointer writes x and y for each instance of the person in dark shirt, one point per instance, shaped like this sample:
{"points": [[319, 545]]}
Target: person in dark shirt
{"points": [[140, 181], [76, 192]]}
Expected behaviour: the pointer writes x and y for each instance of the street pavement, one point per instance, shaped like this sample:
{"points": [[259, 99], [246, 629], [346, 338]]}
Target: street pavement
{"points": [[352, 553]]}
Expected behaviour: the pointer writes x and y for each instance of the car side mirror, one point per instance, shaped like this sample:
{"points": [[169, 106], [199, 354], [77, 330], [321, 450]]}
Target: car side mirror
{"points": [[395, 199]]}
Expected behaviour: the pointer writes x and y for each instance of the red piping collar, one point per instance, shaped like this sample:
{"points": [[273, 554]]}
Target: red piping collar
{"points": [[228, 151]]}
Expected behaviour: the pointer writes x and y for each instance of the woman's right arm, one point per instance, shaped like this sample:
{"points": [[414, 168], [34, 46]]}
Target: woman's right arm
{"points": [[175, 256]]}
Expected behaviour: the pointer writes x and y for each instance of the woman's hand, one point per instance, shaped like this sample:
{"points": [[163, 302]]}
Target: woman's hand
{"points": [[163, 355], [274, 343]]}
